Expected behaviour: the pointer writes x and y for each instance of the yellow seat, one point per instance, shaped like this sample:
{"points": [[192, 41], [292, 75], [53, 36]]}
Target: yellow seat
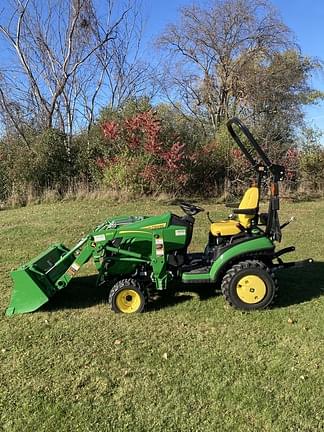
{"points": [[225, 228], [250, 202]]}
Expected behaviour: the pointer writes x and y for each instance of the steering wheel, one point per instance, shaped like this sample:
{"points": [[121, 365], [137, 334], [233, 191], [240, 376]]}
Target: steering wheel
{"points": [[189, 208]]}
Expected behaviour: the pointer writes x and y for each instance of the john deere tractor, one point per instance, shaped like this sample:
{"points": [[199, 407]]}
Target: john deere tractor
{"points": [[136, 255]]}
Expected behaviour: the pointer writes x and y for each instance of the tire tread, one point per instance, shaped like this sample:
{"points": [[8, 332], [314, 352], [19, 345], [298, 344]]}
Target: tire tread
{"points": [[127, 282], [244, 265]]}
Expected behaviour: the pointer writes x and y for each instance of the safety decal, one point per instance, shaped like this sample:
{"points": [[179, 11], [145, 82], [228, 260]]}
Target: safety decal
{"points": [[159, 245], [99, 238], [73, 269], [180, 232]]}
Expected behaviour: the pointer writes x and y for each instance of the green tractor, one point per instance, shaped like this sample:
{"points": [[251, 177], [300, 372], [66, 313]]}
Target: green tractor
{"points": [[137, 255]]}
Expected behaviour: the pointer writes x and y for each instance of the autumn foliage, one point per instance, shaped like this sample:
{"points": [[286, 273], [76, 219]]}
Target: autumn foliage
{"points": [[144, 150], [147, 153], [139, 158]]}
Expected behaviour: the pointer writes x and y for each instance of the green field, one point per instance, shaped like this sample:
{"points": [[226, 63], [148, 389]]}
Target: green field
{"points": [[191, 363]]}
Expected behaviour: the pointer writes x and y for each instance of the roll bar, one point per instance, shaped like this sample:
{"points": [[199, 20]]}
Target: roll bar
{"points": [[277, 171], [252, 141]]}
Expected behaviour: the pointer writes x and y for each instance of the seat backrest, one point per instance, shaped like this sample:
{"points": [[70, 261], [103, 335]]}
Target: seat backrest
{"points": [[250, 200]]}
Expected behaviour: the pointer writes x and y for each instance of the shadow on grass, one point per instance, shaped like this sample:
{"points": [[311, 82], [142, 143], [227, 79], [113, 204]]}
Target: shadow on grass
{"points": [[81, 293], [297, 285]]}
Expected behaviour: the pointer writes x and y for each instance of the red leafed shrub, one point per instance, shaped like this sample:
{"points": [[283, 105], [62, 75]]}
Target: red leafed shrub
{"points": [[110, 130], [156, 163], [291, 163], [142, 131], [206, 168], [150, 173], [174, 156], [238, 164], [101, 163]]}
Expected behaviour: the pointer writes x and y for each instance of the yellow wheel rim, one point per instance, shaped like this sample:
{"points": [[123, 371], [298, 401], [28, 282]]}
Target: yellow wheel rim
{"points": [[128, 301], [251, 289]]}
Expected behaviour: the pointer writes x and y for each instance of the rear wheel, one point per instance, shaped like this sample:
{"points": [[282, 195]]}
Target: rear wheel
{"points": [[249, 285], [126, 296]]}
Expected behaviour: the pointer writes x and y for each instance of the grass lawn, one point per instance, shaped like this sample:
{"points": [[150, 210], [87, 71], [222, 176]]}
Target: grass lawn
{"points": [[191, 363]]}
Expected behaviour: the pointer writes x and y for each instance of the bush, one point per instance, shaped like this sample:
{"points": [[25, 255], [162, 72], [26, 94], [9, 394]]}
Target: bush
{"points": [[48, 163], [54, 160], [145, 150], [4, 182], [140, 158], [311, 165], [124, 173]]}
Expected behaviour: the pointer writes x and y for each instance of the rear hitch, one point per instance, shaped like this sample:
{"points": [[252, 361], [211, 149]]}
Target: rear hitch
{"points": [[295, 264], [283, 265]]}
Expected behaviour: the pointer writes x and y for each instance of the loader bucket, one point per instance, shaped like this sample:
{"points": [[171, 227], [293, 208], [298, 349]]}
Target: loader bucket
{"points": [[34, 282]]}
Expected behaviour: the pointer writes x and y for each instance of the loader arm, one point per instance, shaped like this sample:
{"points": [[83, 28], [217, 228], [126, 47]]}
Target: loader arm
{"points": [[40, 279]]}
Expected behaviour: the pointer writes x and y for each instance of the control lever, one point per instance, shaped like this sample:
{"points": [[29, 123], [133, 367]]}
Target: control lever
{"points": [[292, 219]]}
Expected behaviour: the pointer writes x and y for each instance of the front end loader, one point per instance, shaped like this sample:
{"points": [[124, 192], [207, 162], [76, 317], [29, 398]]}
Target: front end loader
{"points": [[137, 255]]}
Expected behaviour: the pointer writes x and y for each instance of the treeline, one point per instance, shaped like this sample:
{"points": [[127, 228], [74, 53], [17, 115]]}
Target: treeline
{"points": [[82, 104], [140, 149]]}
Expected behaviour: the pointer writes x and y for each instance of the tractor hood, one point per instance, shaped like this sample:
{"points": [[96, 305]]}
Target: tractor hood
{"points": [[137, 222], [123, 220]]}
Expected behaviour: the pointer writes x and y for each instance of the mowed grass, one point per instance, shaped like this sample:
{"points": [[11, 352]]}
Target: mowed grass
{"points": [[191, 363]]}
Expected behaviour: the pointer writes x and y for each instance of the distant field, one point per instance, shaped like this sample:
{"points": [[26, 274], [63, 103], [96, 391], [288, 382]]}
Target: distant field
{"points": [[191, 363]]}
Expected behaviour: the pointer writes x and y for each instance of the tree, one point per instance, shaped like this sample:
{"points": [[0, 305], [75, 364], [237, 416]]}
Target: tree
{"points": [[236, 57], [273, 93], [62, 56], [121, 73]]}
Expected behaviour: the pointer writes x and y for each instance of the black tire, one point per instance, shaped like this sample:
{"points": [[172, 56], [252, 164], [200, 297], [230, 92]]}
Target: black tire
{"points": [[249, 285], [126, 296]]}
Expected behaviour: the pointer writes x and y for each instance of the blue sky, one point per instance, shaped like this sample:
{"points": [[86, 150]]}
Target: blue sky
{"points": [[305, 19]]}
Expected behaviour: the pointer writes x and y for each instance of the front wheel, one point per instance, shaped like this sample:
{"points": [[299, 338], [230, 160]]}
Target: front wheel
{"points": [[126, 296], [249, 285]]}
